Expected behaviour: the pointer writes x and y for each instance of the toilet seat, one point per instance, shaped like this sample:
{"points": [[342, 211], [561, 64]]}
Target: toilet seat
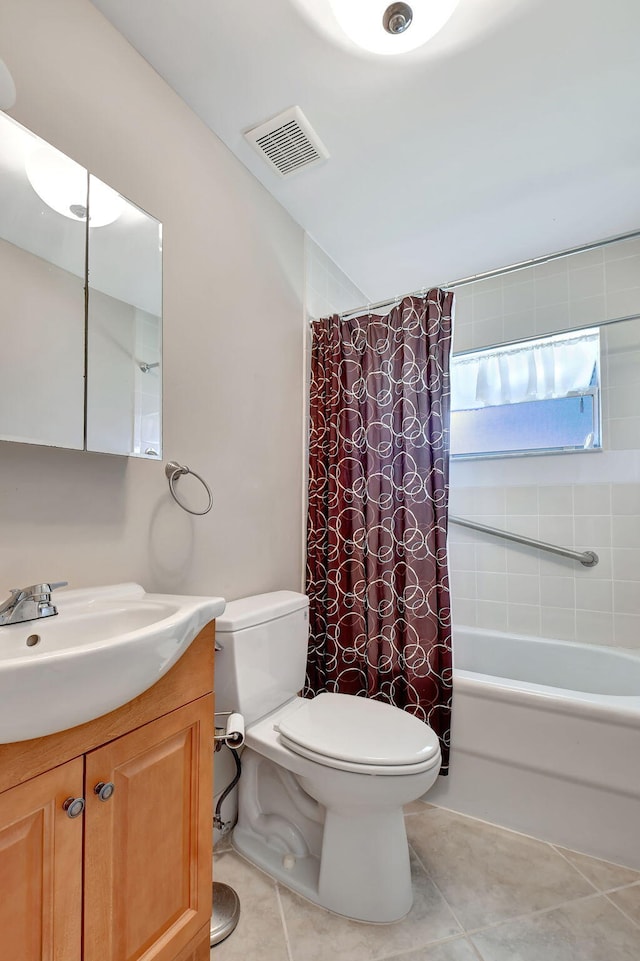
{"points": [[357, 734]]}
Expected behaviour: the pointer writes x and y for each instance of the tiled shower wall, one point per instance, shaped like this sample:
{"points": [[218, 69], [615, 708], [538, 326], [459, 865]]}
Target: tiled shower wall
{"points": [[590, 501], [328, 290]]}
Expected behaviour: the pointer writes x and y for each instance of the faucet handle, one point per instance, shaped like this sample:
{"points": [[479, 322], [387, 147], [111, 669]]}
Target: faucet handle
{"points": [[34, 589]]}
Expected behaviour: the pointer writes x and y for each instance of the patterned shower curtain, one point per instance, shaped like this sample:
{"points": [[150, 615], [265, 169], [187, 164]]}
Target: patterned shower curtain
{"points": [[377, 576]]}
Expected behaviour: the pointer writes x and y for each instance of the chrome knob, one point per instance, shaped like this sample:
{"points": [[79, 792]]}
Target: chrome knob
{"points": [[104, 790], [74, 806]]}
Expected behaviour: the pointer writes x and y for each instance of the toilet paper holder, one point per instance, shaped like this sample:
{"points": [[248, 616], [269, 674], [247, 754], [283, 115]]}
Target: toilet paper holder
{"points": [[232, 734]]}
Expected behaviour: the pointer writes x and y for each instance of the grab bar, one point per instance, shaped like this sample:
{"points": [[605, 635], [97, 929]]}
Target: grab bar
{"points": [[587, 558]]}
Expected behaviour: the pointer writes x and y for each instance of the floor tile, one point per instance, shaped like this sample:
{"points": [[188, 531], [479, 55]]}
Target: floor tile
{"points": [[317, 935], [415, 807], [629, 900], [487, 874], [587, 930], [259, 933], [458, 950], [601, 873]]}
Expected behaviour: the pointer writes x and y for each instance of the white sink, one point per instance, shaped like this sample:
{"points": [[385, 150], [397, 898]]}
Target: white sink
{"points": [[105, 646]]}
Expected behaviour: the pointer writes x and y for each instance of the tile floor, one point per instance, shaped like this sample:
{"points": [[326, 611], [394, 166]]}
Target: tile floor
{"points": [[481, 893]]}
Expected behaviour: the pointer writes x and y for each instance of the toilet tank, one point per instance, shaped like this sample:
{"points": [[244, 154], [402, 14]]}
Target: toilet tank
{"points": [[262, 652]]}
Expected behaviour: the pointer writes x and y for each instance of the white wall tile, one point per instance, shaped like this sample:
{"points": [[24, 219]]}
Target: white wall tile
{"points": [[558, 622], [624, 433], [623, 248], [490, 500], [625, 531], [522, 500], [492, 614], [464, 584], [519, 297], [594, 627], [585, 311], [589, 501], [558, 591], [626, 564], [523, 589], [487, 332], [627, 630], [487, 304], [594, 595], [557, 529], [519, 324], [591, 531], [524, 619], [623, 303], [586, 258], [491, 587], [491, 557], [586, 282], [523, 560], [551, 318], [554, 290], [592, 499], [626, 597], [622, 274], [555, 500], [463, 612]]}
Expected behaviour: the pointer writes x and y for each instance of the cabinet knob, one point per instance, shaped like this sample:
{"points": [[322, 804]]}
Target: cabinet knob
{"points": [[104, 790], [74, 806]]}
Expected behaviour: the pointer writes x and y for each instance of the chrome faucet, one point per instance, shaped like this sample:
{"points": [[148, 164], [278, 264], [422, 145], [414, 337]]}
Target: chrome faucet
{"points": [[29, 603]]}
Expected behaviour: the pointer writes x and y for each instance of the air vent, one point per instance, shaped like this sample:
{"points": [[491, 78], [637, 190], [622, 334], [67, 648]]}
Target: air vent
{"points": [[288, 142]]}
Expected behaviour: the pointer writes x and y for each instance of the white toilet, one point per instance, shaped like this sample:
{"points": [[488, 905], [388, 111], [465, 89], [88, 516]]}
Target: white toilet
{"points": [[324, 779]]}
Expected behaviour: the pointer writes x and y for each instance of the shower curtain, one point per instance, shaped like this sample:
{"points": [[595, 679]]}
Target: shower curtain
{"points": [[377, 576]]}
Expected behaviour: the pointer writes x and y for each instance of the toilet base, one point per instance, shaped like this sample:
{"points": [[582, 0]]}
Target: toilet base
{"points": [[350, 859], [302, 876]]}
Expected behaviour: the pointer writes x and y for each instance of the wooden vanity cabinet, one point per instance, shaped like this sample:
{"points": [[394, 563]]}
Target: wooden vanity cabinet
{"points": [[40, 868], [129, 878]]}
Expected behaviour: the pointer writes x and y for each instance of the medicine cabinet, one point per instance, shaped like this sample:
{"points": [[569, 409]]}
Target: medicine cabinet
{"points": [[80, 306]]}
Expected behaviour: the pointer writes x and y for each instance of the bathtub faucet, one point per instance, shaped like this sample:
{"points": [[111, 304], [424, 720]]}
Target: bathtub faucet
{"points": [[29, 603]]}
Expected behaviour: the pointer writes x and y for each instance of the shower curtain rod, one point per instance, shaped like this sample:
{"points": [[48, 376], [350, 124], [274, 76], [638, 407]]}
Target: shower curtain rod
{"points": [[488, 274]]}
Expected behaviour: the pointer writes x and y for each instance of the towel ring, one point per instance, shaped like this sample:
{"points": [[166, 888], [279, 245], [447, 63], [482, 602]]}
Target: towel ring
{"points": [[173, 471]]}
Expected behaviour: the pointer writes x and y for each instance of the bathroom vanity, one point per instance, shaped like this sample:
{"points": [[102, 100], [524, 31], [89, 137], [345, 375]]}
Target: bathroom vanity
{"points": [[106, 828]]}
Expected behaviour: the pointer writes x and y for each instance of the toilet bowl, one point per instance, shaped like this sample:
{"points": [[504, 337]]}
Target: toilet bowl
{"points": [[324, 779]]}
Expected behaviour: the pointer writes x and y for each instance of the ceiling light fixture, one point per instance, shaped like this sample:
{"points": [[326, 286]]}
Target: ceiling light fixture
{"points": [[391, 28], [62, 184]]}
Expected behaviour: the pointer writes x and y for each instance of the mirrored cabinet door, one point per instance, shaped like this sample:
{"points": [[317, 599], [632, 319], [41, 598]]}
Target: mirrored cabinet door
{"points": [[80, 306], [43, 204], [124, 328]]}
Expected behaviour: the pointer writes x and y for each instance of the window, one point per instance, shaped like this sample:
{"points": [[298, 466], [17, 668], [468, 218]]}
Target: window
{"points": [[538, 396]]}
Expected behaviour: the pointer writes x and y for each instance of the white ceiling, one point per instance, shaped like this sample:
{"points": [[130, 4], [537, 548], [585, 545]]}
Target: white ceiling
{"points": [[514, 133]]}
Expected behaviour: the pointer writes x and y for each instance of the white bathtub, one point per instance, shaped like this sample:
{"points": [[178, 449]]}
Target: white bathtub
{"points": [[546, 740]]}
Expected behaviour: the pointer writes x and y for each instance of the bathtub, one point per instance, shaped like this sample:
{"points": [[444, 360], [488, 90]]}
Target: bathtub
{"points": [[546, 740]]}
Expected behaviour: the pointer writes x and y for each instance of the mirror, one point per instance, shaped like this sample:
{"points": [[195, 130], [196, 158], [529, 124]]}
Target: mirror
{"points": [[76, 372], [124, 330], [42, 269]]}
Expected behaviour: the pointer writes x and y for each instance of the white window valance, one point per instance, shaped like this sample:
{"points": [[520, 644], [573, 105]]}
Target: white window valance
{"points": [[540, 369]]}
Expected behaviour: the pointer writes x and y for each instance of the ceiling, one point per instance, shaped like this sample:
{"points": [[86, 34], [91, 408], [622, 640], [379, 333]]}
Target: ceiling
{"points": [[514, 133]]}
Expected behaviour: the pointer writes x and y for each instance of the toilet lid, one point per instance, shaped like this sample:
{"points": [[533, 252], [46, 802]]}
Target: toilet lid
{"points": [[359, 730]]}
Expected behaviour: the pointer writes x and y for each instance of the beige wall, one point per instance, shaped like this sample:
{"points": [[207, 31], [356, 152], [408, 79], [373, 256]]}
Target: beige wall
{"points": [[233, 335]]}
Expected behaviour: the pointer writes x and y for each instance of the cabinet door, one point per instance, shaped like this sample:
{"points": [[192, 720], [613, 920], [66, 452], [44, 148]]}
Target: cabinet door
{"points": [[148, 848], [41, 868]]}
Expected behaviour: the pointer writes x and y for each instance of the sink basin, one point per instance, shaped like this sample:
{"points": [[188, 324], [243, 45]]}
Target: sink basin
{"points": [[105, 646]]}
